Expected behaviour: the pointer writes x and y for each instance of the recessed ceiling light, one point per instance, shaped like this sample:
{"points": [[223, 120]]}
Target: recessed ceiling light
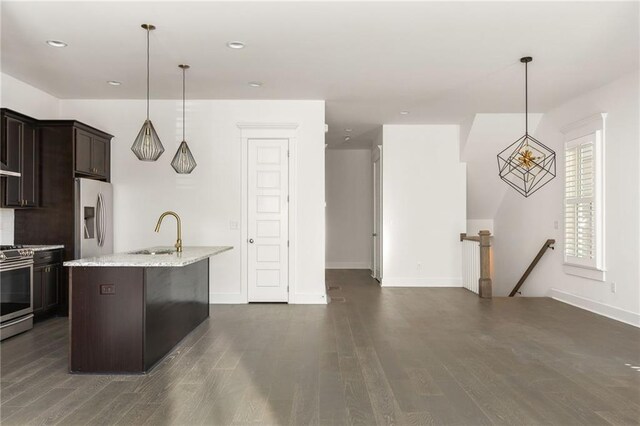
{"points": [[404, 112], [235, 45], [255, 84], [114, 83], [348, 130], [347, 138], [56, 43]]}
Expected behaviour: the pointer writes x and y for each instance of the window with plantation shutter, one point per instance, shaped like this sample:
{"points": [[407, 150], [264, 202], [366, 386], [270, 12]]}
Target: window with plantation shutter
{"points": [[583, 201]]}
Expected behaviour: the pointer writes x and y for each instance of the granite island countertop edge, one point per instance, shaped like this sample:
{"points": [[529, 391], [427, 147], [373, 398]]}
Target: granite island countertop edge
{"points": [[174, 260]]}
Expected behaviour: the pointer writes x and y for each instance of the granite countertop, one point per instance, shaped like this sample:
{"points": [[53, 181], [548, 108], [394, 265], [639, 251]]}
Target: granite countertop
{"points": [[43, 247], [188, 256]]}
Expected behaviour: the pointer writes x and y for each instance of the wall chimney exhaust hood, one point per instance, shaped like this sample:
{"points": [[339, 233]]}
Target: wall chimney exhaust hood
{"points": [[5, 172]]}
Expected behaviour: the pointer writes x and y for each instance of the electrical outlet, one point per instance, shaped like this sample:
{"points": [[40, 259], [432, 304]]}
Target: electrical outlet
{"points": [[419, 266], [556, 224], [108, 289], [234, 224], [613, 287]]}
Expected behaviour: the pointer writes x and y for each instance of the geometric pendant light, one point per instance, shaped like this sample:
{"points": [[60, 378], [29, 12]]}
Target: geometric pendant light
{"points": [[527, 164], [147, 145], [183, 162]]}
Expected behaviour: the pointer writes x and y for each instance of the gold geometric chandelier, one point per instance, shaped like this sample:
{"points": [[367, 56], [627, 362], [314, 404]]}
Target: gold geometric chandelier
{"points": [[527, 164]]}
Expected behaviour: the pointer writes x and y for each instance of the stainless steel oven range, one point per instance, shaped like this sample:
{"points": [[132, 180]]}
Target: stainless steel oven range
{"points": [[16, 290]]}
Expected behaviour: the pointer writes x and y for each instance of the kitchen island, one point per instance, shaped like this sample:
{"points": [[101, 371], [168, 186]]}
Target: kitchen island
{"points": [[128, 310]]}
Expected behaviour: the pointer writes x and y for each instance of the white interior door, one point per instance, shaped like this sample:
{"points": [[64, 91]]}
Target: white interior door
{"points": [[376, 219], [268, 220]]}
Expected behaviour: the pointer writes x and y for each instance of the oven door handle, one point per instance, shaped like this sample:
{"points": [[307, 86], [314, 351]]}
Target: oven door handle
{"points": [[18, 321], [16, 265]]}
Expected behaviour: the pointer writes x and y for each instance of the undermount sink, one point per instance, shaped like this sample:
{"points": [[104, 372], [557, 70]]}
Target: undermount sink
{"points": [[154, 252]]}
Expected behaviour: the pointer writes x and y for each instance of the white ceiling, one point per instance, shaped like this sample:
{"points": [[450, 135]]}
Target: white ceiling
{"points": [[369, 60]]}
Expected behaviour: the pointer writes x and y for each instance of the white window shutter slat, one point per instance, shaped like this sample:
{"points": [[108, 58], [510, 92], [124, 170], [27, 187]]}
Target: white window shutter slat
{"points": [[579, 213]]}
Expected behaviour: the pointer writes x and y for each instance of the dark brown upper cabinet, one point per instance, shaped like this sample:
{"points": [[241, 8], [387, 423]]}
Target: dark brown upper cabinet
{"points": [[19, 153], [91, 154], [90, 148]]}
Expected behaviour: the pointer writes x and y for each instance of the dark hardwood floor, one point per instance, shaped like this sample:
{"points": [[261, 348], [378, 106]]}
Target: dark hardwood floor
{"points": [[373, 356]]}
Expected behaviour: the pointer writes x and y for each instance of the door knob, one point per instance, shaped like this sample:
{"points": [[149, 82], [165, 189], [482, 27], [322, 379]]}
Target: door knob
{"points": [[251, 240]]}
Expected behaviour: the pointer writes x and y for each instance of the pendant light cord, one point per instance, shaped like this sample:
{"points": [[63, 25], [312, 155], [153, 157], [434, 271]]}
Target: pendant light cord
{"points": [[526, 100], [148, 31], [183, 97]]}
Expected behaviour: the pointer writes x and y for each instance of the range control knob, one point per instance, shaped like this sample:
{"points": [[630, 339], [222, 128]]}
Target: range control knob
{"points": [[3, 256]]}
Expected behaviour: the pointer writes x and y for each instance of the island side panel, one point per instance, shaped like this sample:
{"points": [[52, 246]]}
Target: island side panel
{"points": [[177, 301], [106, 322]]}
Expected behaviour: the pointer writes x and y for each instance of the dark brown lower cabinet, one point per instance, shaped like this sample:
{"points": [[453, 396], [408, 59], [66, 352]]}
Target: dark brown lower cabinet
{"points": [[47, 275], [126, 319]]}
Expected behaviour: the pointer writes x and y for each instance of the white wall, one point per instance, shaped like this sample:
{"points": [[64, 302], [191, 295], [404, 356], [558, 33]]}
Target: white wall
{"points": [[424, 205], [522, 225], [26, 99], [349, 191], [6, 226], [476, 225], [210, 198]]}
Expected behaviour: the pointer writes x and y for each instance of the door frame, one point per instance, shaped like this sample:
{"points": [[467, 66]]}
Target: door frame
{"points": [[376, 157], [287, 131]]}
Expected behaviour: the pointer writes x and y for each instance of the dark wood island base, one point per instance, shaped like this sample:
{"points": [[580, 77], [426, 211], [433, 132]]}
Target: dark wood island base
{"points": [[126, 319]]}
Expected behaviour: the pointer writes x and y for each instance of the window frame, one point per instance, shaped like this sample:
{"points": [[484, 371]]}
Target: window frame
{"points": [[591, 129]]}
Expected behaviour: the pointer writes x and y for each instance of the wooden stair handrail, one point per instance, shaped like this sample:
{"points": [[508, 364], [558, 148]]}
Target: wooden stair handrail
{"points": [[545, 246], [463, 236]]}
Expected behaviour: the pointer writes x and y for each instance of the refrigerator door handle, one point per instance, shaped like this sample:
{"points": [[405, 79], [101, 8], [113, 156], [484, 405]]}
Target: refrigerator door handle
{"points": [[100, 228], [103, 212]]}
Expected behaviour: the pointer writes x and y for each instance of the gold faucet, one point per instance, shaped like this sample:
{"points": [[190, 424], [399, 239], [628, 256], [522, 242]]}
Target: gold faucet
{"points": [[174, 214]]}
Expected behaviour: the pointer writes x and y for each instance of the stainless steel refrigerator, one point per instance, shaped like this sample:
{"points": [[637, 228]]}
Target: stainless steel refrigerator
{"points": [[93, 218]]}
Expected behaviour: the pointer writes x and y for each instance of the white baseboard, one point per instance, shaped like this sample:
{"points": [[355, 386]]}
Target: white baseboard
{"points": [[240, 299], [599, 308], [422, 282], [348, 265], [310, 299], [227, 298]]}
